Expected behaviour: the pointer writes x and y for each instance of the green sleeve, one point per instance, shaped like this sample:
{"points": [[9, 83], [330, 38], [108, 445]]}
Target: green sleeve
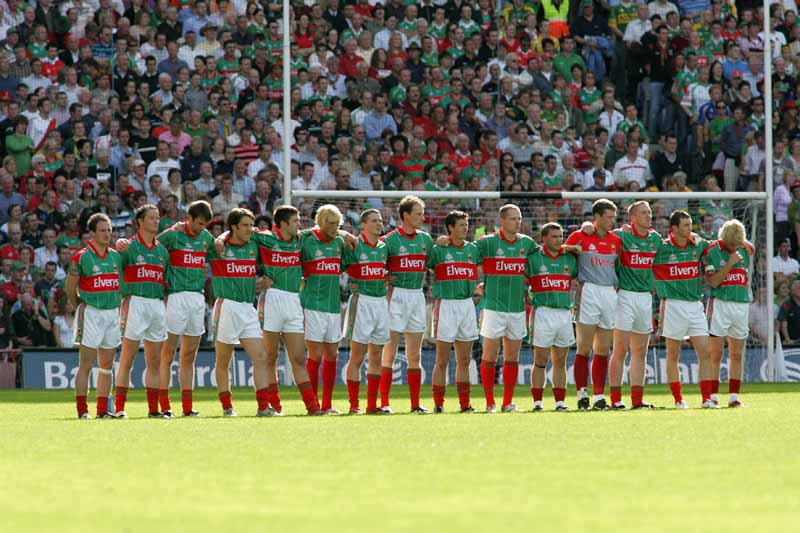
{"points": [[433, 258], [262, 238], [480, 247], [348, 257], [167, 238], [478, 256], [208, 238], [534, 247], [529, 265]]}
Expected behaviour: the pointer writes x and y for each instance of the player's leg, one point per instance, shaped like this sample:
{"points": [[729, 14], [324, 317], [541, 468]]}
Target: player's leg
{"points": [[414, 375], [313, 362], [190, 344], [224, 353], [541, 356], [254, 348], [105, 363], [357, 352], [387, 365], [559, 356], [716, 346], [439, 379], [638, 343], [330, 355], [602, 347], [702, 347], [272, 342], [511, 348], [463, 351], [165, 369], [491, 349], [374, 354], [584, 334], [127, 354], [86, 358], [673, 371], [295, 351], [152, 359], [616, 366], [735, 369]]}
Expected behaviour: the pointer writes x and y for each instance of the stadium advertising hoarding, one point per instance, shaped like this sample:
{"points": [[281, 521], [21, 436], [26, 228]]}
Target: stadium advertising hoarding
{"points": [[56, 369]]}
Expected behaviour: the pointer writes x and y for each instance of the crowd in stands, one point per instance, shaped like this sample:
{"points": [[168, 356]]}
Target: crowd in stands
{"points": [[106, 105]]}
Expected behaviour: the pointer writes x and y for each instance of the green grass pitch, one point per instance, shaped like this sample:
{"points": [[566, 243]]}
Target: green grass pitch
{"points": [[672, 471]]}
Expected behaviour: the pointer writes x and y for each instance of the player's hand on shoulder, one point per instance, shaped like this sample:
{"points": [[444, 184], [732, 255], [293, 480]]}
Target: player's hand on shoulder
{"points": [[627, 228], [350, 240], [219, 245], [572, 248], [442, 240], [587, 228], [122, 245]]}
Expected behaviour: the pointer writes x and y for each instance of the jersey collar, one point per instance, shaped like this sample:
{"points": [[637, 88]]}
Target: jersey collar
{"points": [[640, 235], [454, 244], [404, 234], [188, 231], [232, 245], [547, 252], [277, 232], [675, 243], [320, 236], [725, 248], [363, 237], [503, 237], [94, 249], [141, 240]]}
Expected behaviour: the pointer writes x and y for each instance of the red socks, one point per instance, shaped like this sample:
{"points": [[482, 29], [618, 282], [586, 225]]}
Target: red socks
{"points": [[102, 405], [414, 384], [705, 389], [559, 394], [734, 385], [386, 384], [581, 370], [309, 399], [510, 374], [352, 392], [616, 395], [82, 405], [373, 384], [312, 367], [675, 389], [163, 400], [262, 398], [119, 398], [599, 373], [463, 393], [637, 394], [186, 400], [152, 400], [225, 399], [488, 373], [537, 394], [438, 395], [274, 397], [328, 379]]}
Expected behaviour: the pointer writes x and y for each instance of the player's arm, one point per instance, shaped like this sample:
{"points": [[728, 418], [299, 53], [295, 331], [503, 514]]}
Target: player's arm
{"points": [[73, 277], [573, 243], [715, 278], [350, 240]]}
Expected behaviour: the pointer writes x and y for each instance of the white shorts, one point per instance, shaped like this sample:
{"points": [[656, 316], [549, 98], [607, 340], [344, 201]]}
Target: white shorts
{"points": [[728, 319], [143, 319], [407, 310], [322, 326], [234, 321], [455, 320], [634, 312], [496, 324], [281, 311], [552, 327], [597, 305], [681, 319], [97, 328], [367, 321], [185, 313]]}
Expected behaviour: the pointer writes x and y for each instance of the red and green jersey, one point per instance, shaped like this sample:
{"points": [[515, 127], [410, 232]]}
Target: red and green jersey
{"points": [[408, 257], [677, 270], [550, 278], [435, 94], [144, 268], [98, 276], [414, 169], [72, 242], [366, 266], [736, 285], [322, 265], [233, 274], [635, 265], [504, 263], [455, 270], [187, 259], [586, 98], [280, 259], [227, 67]]}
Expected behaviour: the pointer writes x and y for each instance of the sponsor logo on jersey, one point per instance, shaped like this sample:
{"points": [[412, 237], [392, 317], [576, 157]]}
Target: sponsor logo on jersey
{"points": [[448, 257], [363, 257], [229, 253], [318, 253], [500, 251], [95, 268], [424, 248], [140, 259], [522, 252], [402, 249], [543, 269], [592, 247]]}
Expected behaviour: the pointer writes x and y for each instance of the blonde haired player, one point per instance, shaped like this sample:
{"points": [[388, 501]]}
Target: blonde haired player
{"points": [[727, 262]]}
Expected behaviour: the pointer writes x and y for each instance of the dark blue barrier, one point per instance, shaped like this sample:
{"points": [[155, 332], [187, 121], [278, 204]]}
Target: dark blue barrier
{"points": [[56, 369]]}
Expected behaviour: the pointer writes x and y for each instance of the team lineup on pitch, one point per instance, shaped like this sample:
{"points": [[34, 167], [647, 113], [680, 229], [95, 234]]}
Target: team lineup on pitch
{"points": [[592, 289]]}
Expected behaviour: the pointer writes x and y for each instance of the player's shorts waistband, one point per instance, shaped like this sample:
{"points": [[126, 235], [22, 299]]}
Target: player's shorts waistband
{"points": [[633, 292], [599, 286], [455, 299], [143, 298], [281, 291], [403, 289], [87, 306], [371, 298], [558, 309], [185, 292]]}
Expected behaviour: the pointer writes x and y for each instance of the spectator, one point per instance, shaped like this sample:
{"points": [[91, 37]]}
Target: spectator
{"points": [[783, 264], [64, 324], [789, 315], [29, 324], [47, 253]]}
